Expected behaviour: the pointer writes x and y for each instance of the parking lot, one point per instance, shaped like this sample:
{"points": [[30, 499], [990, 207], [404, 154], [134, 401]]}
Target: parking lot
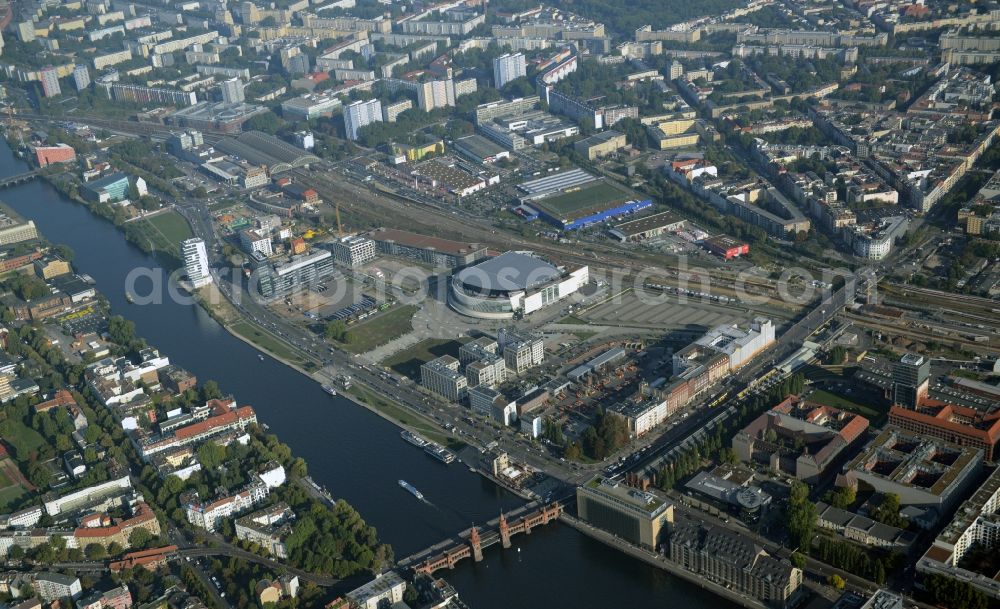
{"points": [[664, 312]]}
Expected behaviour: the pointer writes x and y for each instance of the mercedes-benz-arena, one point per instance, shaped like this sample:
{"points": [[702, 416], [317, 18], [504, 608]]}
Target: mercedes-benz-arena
{"points": [[511, 283]]}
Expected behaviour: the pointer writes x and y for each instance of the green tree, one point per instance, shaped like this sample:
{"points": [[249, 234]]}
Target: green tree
{"points": [[887, 512], [410, 596], [139, 538], [801, 515], [211, 455], [836, 356], [95, 551], [337, 330], [210, 390], [15, 553], [299, 469], [843, 497]]}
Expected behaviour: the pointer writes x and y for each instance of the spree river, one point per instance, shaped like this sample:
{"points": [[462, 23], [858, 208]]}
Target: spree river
{"points": [[357, 455]]}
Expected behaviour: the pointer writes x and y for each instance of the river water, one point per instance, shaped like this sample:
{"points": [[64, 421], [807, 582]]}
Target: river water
{"points": [[357, 455]]}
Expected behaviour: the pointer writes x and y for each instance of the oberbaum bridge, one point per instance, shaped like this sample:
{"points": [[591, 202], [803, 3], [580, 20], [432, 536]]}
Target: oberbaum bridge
{"points": [[470, 542]]}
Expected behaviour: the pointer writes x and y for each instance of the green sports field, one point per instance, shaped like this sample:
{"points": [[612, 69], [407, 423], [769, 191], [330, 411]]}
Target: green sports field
{"points": [[588, 199]]}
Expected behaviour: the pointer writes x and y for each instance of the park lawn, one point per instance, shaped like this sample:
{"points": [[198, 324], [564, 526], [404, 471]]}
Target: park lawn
{"points": [[572, 320], [23, 439], [163, 232], [5, 480], [826, 398], [10, 496], [380, 329], [171, 225], [408, 361], [265, 341]]}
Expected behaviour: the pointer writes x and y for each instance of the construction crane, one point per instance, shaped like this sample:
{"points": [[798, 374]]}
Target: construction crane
{"points": [[340, 227]]}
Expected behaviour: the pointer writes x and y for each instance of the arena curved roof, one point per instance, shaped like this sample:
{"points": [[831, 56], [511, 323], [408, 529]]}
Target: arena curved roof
{"points": [[260, 148], [508, 272]]}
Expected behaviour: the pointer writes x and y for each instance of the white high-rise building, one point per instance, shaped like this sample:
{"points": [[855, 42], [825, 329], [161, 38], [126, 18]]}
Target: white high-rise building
{"points": [[436, 94], [196, 262], [507, 68], [359, 114], [81, 77], [232, 91], [49, 78]]}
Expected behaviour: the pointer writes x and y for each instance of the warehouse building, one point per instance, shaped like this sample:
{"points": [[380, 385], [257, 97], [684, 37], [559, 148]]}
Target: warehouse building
{"points": [[648, 227], [631, 514], [430, 250]]}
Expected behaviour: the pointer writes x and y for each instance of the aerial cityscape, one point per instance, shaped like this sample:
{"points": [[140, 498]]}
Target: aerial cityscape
{"points": [[394, 304]]}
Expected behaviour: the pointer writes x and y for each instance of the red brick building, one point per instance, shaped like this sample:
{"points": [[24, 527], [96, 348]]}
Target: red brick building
{"points": [[951, 423], [61, 153]]}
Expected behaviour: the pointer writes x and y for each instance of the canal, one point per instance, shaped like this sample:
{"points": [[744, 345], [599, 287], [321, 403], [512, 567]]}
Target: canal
{"points": [[357, 455]]}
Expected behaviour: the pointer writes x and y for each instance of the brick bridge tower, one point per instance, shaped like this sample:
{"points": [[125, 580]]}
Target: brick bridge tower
{"points": [[474, 542], [504, 531]]}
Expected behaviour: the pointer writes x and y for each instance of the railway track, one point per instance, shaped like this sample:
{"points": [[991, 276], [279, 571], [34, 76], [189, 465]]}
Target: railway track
{"points": [[615, 259], [918, 334]]}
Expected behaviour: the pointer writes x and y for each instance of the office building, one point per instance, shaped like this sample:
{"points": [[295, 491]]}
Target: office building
{"points": [[600, 145], [49, 77], [729, 559], [232, 91], [507, 68], [952, 423], [178, 142], [310, 106], [196, 262], [489, 372], [910, 380], [520, 351], [81, 77], [929, 476], [109, 189], [301, 271], [636, 516], [359, 114], [353, 250], [442, 377], [642, 416], [733, 345]]}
